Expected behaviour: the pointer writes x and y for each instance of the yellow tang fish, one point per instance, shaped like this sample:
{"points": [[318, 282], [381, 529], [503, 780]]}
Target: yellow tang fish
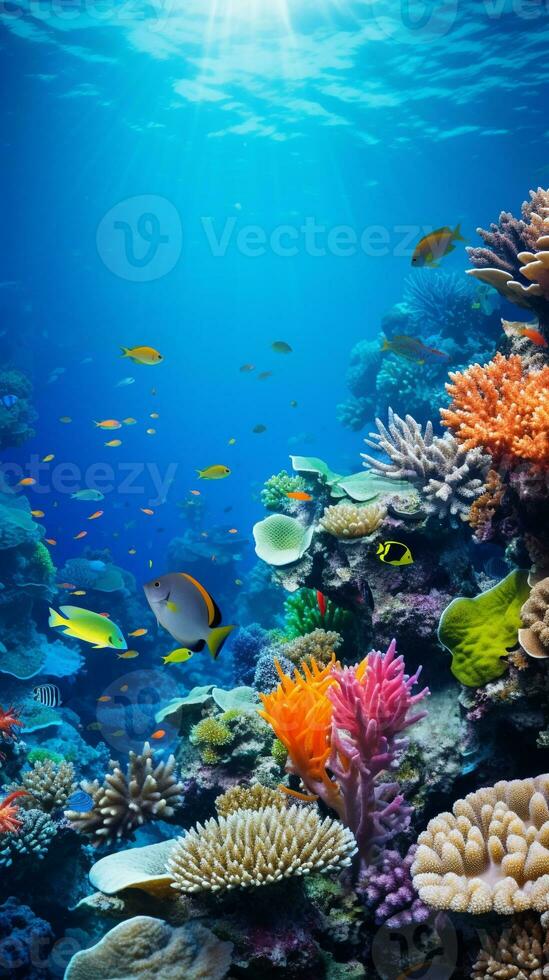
{"points": [[435, 245], [83, 624], [394, 553], [217, 472], [142, 355]]}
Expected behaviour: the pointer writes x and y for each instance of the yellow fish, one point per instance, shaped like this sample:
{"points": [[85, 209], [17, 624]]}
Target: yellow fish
{"points": [[394, 553], [179, 656], [27, 481], [78, 592], [151, 432], [48, 458], [140, 632], [129, 421], [108, 424], [114, 442], [435, 245], [83, 624], [217, 472], [142, 355], [128, 655], [132, 551], [154, 415], [38, 513]]}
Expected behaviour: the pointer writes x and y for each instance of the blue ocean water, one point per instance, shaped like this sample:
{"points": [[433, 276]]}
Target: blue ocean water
{"points": [[209, 178]]}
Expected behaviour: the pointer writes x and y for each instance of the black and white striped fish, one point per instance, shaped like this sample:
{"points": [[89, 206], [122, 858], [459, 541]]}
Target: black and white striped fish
{"points": [[47, 694]]}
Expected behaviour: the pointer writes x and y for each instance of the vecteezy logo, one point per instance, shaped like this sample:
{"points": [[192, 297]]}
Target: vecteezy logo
{"points": [[140, 238], [128, 708], [415, 21]]}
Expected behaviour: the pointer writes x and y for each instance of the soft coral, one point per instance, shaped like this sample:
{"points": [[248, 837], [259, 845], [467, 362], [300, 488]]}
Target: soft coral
{"points": [[8, 812]]}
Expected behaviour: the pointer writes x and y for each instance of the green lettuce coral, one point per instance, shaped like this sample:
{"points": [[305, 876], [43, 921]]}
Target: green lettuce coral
{"points": [[480, 632]]}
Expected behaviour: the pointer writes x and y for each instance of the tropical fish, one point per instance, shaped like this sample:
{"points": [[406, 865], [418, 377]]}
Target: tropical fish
{"points": [[217, 472], [128, 655], [281, 347], [486, 299], [129, 421], [87, 495], [299, 495], [142, 355], [514, 328], [264, 375], [321, 602], [150, 432], [8, 401], [79, 801], [394, 553], [435, 245], [113, 443], [108, 424], [139, 632], [154, 415], [51, 541], [91, 627], [80, 535], [47, 694], [179, 656], [125, 687], [48, 458], [96, 514], [150, 563], [38, 513], [232, 530], [259, 428], [66, 419], [246, 368], [104, 698], [293, 403], [195, 493], [412, 349], [147, 510], [132, 551], [187, 611], [27, 481], [124, 382], [78, 592], [231, 442], [238, 581], [158, 734]]}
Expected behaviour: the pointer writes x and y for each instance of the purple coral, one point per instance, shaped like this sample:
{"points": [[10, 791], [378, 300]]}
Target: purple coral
{"points": [[388, 889]]}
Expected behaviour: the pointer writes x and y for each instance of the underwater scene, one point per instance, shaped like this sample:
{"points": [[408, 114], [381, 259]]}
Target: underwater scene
{"points": [[274, 474]]}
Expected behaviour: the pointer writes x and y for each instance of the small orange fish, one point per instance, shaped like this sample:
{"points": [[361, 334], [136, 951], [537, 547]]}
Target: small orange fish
{"points": [[51, 541], [108, 424], [147, 510], [104, 698], [114, 442], [299, 495], [232, 530], [66, 585], [38, 513], [95, 515], [195, 493], [535, 336], [80, 535], [27, 481], [515, 328], [158, 734], [140, 632]]}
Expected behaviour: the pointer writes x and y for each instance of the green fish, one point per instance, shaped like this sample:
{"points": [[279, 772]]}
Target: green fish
{"points": [[187, 611], [179, 656], [394, 553], [87, 495], [217, 472], [83, 624], [281, 347]]}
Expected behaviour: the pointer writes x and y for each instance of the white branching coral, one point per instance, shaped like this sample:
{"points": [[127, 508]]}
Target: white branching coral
{"points": [[49, 784], [250, 848], [127, 800], [449, 477], [491, 853], [351, 522]]}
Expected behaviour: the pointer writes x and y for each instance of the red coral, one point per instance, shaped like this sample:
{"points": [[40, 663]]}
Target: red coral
{"points": [[9, 811], [9, 720]]}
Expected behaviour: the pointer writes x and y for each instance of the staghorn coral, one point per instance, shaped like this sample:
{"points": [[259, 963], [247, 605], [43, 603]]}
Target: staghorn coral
{"points": [[534, 638], [388, 890], [9, 819], [491, 853], [255, 797], [320, 645], [519, 953], [49, 784], [502, 409], [252, 848], [449, 475], [149, 948], [350, 522], [274, 495], [125, 801], [31, 838]]}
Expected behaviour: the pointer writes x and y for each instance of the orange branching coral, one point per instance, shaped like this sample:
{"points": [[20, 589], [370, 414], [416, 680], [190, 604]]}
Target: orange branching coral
{"points": [[300, 714], [8, 812], [502, 408], [483, 509]]}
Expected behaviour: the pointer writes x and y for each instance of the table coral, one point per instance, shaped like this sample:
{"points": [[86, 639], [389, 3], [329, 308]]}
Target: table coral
{"points": [[502, 409], [479, 632], [252, 848], [491, 853]]}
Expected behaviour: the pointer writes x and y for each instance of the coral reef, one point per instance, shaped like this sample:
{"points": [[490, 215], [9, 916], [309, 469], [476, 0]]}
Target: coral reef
{"points": [[125, 801], [246, 645], [10, 822], [251, 848], [490, 853], [449, 476], [351, 522], [519, 953], [274, 495], [31, 838], [49, 784], [16, 419], [281, 540], [534, 637], [304, 614], [255, 797], [25, 940], [320, 645], [501, 409], [266, 675], [388, 889]]}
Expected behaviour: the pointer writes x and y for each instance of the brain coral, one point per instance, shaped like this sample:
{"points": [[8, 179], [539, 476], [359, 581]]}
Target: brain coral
{"points": [[491, 853], [250, 848]]}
